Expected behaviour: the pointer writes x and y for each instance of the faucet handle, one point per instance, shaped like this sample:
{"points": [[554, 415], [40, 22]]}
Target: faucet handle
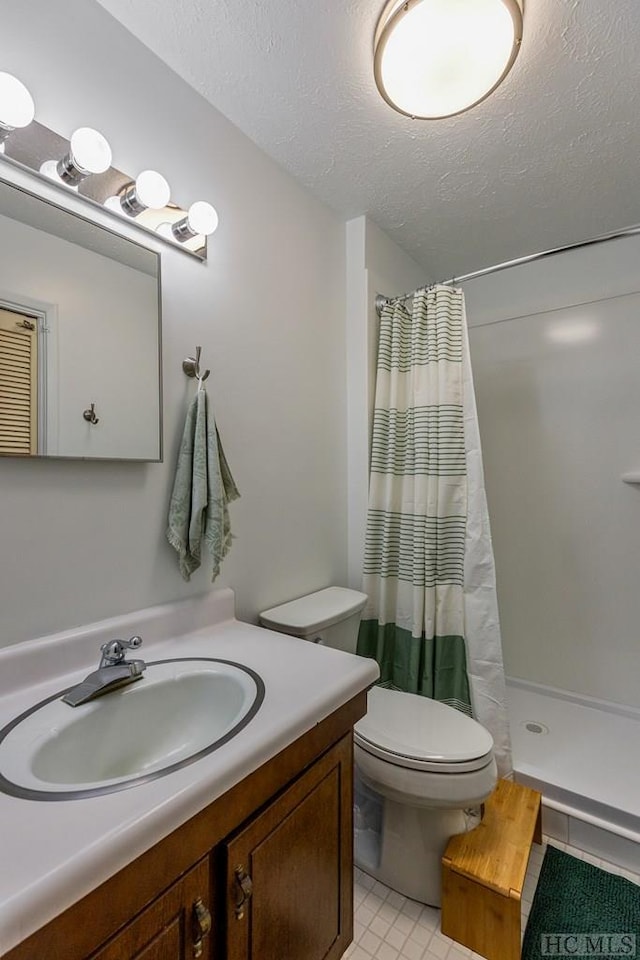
{"points": [[133, 643], [114, 651]]}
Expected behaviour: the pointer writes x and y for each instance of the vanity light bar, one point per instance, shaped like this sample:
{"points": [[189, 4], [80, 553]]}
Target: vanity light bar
{"points": [[83, 164]]}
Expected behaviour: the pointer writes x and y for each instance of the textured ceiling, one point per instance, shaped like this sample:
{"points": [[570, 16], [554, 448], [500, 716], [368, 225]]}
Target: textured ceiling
{"points": [[550, 158]]}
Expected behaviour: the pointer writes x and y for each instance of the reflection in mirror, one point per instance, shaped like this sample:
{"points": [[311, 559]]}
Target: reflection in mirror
{"points": [[79, 334]]}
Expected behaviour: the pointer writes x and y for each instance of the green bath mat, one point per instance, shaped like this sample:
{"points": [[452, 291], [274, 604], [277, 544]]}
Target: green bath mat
{"points": [[581, 911]]}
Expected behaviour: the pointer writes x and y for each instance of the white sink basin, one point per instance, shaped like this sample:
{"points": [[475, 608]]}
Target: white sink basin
{"points": [[177, 713]]}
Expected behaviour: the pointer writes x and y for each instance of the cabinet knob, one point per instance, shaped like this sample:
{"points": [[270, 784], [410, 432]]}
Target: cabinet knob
{"points": [[244, 890], [201, 926]]}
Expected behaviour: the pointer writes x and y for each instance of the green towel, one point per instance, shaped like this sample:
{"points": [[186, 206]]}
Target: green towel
{"points": [[202, 491]]}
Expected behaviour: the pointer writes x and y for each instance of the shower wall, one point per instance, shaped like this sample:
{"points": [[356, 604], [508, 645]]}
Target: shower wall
{"points": [[555, 348]]}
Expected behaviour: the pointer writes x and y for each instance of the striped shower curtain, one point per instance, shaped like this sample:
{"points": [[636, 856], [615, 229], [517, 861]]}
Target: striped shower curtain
{"points": [[428, 567]]}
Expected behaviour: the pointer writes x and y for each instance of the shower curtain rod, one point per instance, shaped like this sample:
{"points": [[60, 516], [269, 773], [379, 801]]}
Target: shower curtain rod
{"points": [[382, 301]]}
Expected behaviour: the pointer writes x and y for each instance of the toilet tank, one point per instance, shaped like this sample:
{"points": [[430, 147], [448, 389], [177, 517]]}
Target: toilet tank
{"points": [[330, 617]]}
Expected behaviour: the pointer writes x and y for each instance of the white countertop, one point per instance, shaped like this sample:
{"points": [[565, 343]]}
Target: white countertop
{"points": [[53, 853]]}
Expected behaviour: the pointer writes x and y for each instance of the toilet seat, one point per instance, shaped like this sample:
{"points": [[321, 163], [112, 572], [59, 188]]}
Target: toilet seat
{"points": [[418, 733]]}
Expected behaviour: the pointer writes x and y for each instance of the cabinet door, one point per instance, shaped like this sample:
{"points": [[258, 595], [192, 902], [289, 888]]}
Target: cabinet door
{"points": [[172, 927], [295, 860]]}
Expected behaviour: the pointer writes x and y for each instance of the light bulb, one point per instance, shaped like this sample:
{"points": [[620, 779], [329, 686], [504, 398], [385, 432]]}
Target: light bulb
{"points": [[164, 230], [149, 192], [153, 190], [201, 219], [113, 203], [90, 152], [50, 169], [17, 108]]}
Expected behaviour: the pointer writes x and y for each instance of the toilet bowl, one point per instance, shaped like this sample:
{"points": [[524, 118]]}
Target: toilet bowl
{"points": [[425, 761], [429, 763]]}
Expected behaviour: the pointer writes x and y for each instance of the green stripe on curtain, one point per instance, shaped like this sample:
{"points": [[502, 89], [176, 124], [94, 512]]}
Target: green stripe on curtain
{"points": [[421, 550], [420, 440], [435, 668], [433, 334]]}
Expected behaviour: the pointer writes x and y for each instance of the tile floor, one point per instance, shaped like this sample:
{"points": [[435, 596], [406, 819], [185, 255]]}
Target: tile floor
{"points": [[391, 927]]}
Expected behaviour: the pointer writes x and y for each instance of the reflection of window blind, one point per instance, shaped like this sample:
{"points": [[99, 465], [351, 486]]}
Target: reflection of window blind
{"points": [[18, 384]]}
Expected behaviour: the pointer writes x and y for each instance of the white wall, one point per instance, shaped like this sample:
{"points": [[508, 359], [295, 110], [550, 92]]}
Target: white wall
{"points": [[558, 388], [81, 541], [375, 264]]}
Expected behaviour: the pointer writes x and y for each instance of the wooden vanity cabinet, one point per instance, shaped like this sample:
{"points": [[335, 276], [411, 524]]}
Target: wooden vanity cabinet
{"points": [[169, 928], [270, 863], [294, 861]]}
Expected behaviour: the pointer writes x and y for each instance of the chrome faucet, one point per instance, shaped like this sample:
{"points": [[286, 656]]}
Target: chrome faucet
{"points": [[113, 671]]}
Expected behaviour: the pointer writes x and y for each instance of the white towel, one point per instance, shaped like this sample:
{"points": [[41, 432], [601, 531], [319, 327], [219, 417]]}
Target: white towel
{"points": [[202, 491]]}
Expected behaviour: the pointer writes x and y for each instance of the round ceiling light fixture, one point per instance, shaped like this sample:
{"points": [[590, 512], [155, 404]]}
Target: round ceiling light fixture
{"points": [[437, 58]]}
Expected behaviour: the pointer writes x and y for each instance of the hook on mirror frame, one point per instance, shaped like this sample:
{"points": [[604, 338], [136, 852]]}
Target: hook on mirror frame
{"points": [[191, 366], [90, 414]]}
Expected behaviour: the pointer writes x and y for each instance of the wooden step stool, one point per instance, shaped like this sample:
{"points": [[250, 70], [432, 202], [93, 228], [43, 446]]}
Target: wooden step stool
{"points": [[483, 873]]}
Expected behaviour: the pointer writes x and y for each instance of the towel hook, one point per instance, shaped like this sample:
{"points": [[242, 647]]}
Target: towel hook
{"points": [[90, 414], [191, 366]]}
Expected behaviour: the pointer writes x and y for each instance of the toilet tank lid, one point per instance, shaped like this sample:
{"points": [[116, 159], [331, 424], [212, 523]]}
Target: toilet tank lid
{"points": [[314, 612]]}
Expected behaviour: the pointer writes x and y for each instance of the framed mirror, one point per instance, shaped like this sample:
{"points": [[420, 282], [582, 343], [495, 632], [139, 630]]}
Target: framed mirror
{"points": [[80, 336]]}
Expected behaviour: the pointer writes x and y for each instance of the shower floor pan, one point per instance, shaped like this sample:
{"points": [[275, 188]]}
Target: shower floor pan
{"points": [[584, 757]]}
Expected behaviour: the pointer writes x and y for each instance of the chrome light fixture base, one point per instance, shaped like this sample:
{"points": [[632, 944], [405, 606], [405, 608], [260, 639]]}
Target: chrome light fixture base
{"points": [[29, 147], [181, 230], [392, 17], [130, 202], [70, 173]]}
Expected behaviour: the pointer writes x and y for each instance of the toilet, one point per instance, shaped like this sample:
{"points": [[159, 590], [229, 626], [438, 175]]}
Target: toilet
{"points": [[419, 762]]}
